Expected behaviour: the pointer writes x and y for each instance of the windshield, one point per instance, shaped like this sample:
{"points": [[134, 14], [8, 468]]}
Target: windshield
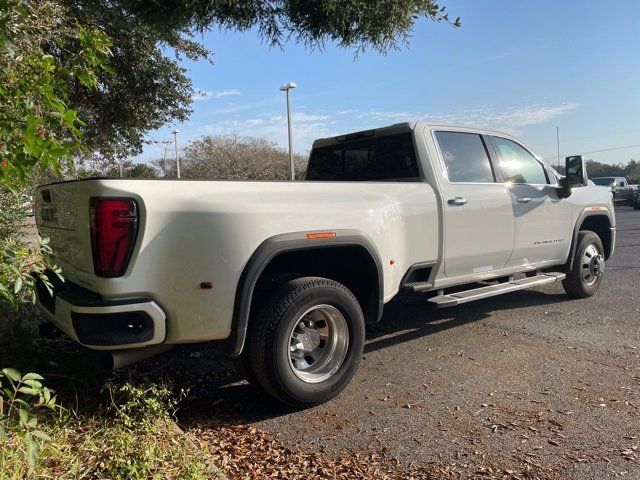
{"points": [[604, 181], [389, 157]]}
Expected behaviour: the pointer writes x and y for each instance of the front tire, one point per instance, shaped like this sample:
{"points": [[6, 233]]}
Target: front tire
{"points": [[307, 341], [588, 266]]}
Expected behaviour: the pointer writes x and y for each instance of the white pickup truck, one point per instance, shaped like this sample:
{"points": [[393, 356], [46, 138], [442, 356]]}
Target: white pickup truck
{"points": [[285, 275]]}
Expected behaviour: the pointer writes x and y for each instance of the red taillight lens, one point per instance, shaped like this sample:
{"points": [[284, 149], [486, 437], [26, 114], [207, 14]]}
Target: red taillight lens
{"points": [[114, 225]]}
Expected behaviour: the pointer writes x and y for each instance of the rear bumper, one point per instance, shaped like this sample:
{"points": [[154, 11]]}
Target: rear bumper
{"points": [[102, 324]]}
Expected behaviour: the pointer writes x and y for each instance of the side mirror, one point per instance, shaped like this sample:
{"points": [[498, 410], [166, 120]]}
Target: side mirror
{"points": [[576, 174]]}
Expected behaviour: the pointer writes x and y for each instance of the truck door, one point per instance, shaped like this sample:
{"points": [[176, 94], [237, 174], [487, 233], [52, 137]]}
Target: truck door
{"points": [[479, 224], [544, 225]]}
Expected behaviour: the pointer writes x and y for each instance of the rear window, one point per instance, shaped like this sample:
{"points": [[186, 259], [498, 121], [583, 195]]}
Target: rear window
{"points": [[390, 157], [604, 182]]}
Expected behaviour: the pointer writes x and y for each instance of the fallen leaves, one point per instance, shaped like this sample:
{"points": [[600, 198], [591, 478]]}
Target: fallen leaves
{"points": [[245, 452]]}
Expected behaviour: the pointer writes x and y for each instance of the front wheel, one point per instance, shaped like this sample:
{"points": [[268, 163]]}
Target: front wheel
{"points": [[588, 266], [307, 341]]}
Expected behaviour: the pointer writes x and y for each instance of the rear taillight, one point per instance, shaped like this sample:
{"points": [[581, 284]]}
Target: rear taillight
{"points": [[114, 225]]}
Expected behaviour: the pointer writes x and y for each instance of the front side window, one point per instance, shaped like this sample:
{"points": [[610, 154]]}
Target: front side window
{"points": [[465, 156], [518, 164]]}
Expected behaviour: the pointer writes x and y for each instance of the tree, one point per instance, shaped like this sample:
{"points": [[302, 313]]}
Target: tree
{"points": [[597, 169], [37, 126], [141, 170], [632, 171], [38, 129], [145, 86], [381, 25], [148, 88], [232, 157]]}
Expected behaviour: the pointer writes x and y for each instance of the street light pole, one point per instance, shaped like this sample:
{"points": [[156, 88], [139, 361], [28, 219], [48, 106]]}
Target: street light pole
{"points": [[175, 143], [285, 88]]}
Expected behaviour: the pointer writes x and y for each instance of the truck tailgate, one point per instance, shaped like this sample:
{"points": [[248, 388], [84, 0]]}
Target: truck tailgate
{"points": [[62, 214]]}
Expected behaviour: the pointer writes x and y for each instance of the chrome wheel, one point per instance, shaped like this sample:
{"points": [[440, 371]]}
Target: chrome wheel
{"points": [[318, 343], [592, 265]]}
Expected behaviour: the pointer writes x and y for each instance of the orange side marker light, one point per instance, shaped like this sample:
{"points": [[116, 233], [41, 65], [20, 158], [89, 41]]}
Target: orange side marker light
{"points": [[314, 236]]}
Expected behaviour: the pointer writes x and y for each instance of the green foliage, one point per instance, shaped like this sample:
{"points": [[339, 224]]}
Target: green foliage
{"points": [[12, 214], [37, 126], [140, 403], [21, 265], [141, 170], [349, 23], [20, 261], [140, 442], [22, 397], [145, 86]]}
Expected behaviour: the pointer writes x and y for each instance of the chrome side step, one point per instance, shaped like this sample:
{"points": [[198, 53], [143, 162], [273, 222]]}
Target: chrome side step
{"points": [[452, 299]]}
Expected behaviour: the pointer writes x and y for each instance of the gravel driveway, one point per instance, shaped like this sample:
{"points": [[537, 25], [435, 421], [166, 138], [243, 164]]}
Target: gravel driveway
{"points": [[531, 384]]}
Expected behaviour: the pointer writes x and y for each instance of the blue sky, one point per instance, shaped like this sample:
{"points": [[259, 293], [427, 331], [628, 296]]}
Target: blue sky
{"points": [[523, 67]]}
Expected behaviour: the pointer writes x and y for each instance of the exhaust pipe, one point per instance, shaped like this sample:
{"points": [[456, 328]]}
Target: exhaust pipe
{"points": [[118, 359]]}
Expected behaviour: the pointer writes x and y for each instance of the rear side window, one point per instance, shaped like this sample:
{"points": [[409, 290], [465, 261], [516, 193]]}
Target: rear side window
{"points": [[518, 164], [465, 156], [390, 157]]}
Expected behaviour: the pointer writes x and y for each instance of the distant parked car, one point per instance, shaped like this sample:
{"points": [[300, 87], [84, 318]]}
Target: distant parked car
{"points": [[623, 193]]}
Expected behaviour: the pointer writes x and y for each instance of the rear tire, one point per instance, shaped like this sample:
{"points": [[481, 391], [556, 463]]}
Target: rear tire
{"points": [[588, 266], [307, 341]]}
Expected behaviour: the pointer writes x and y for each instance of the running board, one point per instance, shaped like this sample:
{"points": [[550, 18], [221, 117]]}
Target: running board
{"points": [[457, 298]]}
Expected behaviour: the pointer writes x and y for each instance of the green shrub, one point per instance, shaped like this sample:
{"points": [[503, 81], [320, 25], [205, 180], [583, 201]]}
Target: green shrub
{"points": [[139, 403], [22, 397]]}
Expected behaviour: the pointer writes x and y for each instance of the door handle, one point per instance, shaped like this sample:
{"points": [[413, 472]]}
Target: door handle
{"points": [[523, 200], [458, 201]]}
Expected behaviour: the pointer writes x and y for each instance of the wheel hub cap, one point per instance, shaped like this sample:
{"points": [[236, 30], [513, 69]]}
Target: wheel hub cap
{"points": [[318, 343], [597, 265], [593, 265], [308, 341]]}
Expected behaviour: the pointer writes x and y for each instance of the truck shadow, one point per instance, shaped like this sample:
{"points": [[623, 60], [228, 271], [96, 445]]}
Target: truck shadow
{"points": [[217, 393], [225, 399]]}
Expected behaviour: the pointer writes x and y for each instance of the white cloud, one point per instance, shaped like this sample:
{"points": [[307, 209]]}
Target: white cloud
{"points": [[507, 119], [306, 128], [208, 95]]}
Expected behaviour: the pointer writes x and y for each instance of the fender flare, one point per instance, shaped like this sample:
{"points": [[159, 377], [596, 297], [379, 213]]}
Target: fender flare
{"points": [[270, 249], [576, 230]]}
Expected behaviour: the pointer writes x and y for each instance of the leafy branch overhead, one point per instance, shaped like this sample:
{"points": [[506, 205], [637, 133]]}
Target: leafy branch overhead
{"points": [[381, 25], [37, 125]]}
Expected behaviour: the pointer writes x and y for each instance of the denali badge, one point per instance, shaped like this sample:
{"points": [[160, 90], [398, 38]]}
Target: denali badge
{"points": [[545, 242]]}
